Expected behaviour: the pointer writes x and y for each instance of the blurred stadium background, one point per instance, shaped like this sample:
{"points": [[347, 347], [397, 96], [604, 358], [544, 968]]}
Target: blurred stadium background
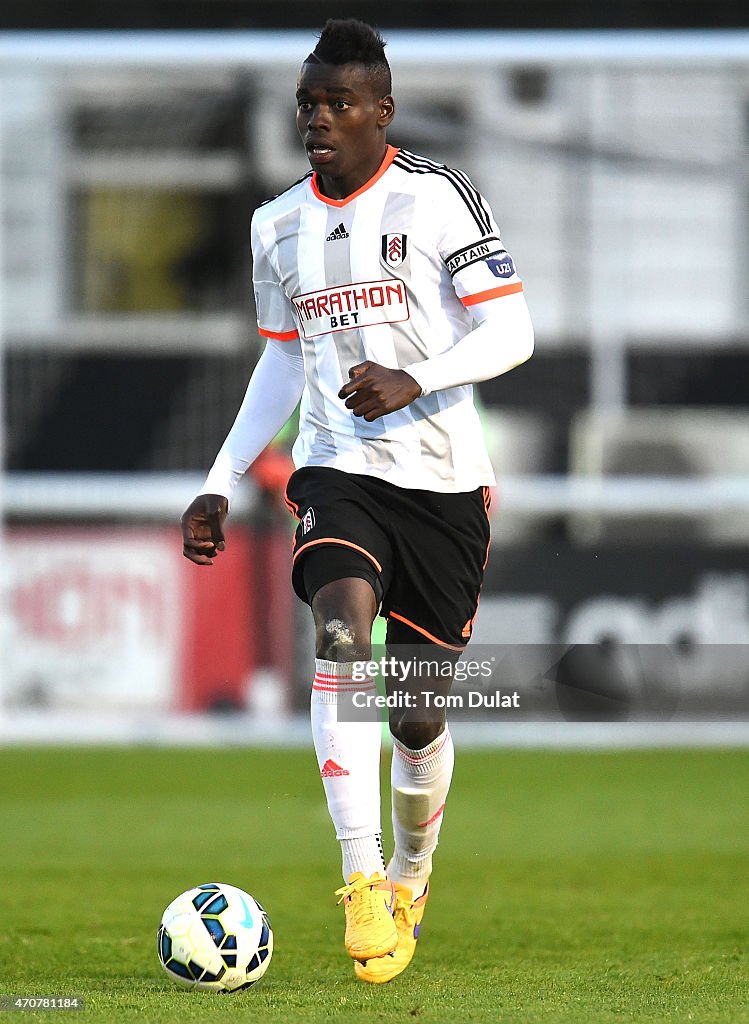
{"points": [[616, 164]]}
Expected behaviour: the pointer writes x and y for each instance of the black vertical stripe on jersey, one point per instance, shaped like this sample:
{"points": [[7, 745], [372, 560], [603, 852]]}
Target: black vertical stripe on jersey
{"points": [[420, 165], [471, 187], [460, 182]]}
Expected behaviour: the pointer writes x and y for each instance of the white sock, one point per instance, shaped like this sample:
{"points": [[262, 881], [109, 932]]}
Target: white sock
{"points": [[420, 782], [348, 755]]}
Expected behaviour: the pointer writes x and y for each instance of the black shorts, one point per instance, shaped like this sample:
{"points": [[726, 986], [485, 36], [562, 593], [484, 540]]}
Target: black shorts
{"points": [[424, 552]]}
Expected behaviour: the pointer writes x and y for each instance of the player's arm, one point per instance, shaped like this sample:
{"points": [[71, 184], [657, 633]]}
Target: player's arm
{"points": [[272, 394], [502, 340], [486, 283], [271, 397]]}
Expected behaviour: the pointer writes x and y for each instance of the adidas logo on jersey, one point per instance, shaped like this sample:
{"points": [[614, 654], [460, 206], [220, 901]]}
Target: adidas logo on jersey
{"points": [[331, 770], [336, 233]]}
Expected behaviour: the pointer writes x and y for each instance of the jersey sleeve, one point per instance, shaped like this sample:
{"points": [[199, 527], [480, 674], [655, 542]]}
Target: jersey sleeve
{"points": [[471, 248], [275, 318]]}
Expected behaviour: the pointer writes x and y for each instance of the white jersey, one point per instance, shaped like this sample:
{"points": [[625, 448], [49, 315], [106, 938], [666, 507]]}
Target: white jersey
{"points": [[389, 274]]}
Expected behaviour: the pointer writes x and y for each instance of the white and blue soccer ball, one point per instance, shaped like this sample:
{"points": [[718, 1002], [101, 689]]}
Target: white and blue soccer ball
{"points": [[215, 937]]}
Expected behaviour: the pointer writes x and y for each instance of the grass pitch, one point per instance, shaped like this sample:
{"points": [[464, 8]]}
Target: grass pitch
{"points": [[568, 887]]}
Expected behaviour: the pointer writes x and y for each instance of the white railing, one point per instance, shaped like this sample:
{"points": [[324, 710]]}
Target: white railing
{"points": [[404, 46], [624, 496], [92, 496], [163, 496]]}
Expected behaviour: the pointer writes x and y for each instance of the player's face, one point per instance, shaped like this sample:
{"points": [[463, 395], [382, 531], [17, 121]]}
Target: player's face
{"points": [[342, 122]]}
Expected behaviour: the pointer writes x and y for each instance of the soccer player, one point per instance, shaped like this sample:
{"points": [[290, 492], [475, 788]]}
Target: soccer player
{"points": [[384, 293]]}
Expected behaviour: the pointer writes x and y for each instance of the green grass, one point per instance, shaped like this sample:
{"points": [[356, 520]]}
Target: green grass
{"points": [[568, 887]]}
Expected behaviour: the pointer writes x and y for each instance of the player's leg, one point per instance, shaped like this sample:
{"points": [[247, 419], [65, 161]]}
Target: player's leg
{"points": [[348, 752], [440, 552], [340, 565], [440, 555], [421, 772], [347, 743], [423, 755]]}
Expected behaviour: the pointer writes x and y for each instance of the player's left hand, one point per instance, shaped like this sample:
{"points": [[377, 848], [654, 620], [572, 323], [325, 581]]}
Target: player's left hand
{"points": [[203, 528], [375, 390]]}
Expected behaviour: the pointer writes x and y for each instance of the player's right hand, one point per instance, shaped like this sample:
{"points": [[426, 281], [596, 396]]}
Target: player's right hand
{"points": [[203, 528]]}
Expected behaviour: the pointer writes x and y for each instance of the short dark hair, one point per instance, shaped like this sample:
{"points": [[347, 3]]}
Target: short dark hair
{"points": [[350, 41]]}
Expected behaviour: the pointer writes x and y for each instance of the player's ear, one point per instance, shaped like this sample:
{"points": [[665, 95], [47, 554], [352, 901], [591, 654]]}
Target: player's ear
{"points": [[387, 111]]}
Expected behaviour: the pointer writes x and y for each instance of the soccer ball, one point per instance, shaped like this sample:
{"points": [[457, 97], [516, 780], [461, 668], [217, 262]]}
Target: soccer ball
{"points": [[216, 938]]}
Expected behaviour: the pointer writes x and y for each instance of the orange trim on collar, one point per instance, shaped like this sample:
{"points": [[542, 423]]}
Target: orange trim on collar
{"points": [[390, 153]]}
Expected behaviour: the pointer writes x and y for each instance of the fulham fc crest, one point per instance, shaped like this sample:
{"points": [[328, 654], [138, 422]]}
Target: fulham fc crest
{"points": [[394, 249]]}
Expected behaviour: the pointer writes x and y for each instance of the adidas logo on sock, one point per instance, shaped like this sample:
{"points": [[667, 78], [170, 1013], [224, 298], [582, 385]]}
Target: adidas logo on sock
{"points": [[331, 770], [336, 233]]}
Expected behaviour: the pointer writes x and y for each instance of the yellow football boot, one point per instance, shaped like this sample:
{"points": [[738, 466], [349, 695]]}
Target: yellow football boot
{"points": [[408, 915], [369, 904]]}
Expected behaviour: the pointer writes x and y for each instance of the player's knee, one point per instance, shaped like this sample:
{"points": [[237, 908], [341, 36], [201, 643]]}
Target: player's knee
{"points": [[342, 638], [416, 735], [344, 611]]}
